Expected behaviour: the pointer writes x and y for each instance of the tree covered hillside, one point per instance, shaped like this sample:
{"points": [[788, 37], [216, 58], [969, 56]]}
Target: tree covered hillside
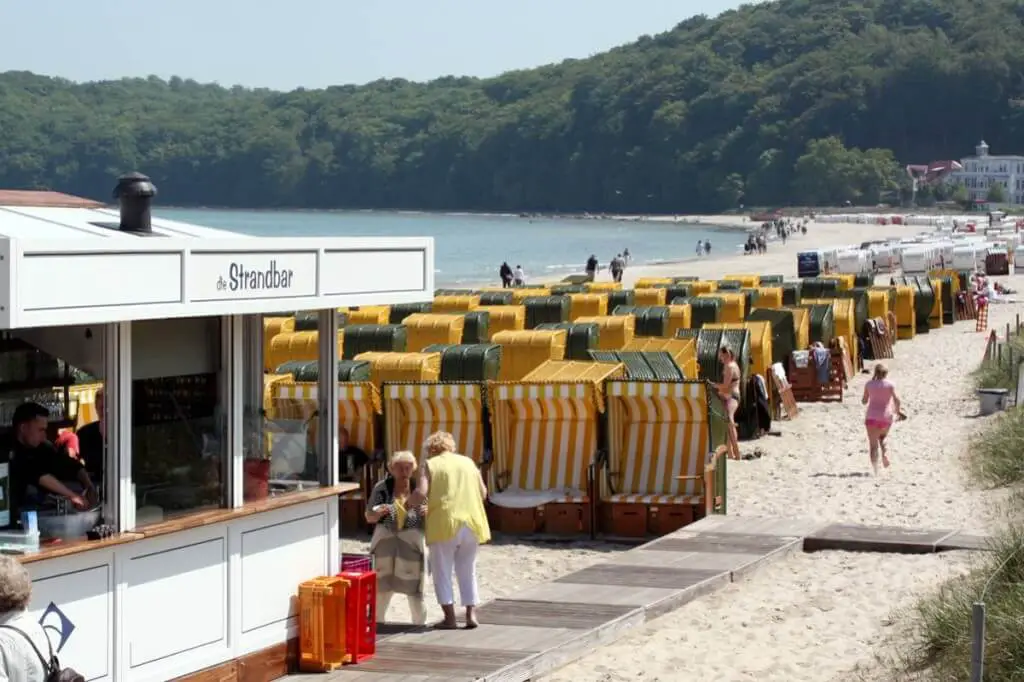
{"points": [[710, 114]]}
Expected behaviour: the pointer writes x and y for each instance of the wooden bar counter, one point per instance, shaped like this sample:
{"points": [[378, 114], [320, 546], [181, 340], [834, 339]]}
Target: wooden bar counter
{"points": [[208, 591]]}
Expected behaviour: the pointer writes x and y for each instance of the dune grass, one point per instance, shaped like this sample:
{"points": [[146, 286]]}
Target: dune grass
{"points": [[939, 648], [996, 457], [1002, 371]]}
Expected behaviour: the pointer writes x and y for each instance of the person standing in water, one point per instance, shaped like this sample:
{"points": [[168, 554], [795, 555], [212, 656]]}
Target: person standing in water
{"points": [[882, 406], [625, 256]]}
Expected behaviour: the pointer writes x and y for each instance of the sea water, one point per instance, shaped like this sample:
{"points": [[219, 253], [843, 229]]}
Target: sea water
{"points": [[469, 248]]}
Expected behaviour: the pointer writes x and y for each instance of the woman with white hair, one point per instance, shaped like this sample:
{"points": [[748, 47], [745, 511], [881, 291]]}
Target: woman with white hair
{"points": [[25, 651], [398, 546], [456, 526]]}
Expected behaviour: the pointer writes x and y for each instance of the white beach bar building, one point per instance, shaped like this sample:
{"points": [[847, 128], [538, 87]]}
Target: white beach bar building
{"points": [[202, 571]]}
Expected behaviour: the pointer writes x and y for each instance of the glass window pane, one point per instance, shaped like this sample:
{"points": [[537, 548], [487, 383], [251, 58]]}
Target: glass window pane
{"points": [[281, 425], [178, 418], [52, 453]]}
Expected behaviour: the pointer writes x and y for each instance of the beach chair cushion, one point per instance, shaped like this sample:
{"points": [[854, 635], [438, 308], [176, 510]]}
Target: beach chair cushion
{"points": [[656, 499]]}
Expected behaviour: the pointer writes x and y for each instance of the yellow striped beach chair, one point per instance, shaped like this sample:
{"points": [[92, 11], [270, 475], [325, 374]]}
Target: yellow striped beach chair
{"points": [[545, 438], [413, 411], [662, 470]]}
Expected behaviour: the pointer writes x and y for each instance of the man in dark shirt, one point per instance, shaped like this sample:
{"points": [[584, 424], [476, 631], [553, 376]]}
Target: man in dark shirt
{"points": [[90, 442], [34, 462], [351, 459]]}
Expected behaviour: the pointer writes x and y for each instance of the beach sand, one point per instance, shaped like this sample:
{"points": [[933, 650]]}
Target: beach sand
{"points": [[810, 617]]}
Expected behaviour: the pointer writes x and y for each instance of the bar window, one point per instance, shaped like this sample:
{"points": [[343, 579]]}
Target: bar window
{"points": [[52, 454], [179, 403], [281, 424]]}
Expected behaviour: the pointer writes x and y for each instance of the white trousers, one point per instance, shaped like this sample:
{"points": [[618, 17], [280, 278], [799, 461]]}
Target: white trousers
{"points": [[459, 555], [416, 608]]}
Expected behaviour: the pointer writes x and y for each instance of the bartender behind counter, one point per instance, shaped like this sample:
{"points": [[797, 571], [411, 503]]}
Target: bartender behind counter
{"points": [[37, 469]]}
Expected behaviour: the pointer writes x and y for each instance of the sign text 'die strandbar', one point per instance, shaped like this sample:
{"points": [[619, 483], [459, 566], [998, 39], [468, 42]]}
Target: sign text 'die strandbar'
{"points": [[242, 276]]}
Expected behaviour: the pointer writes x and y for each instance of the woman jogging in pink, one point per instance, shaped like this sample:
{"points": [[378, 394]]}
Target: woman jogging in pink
{"points": [[883, 407]]}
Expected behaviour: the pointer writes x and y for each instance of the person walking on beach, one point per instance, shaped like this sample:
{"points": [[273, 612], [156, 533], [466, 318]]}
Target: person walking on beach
{"points": [[454, 491], [625, 256], [505, 272], [700, 248], [729, 391], [882, 405], [519, 277], [616, 267], [707, 248], [592, 268]]}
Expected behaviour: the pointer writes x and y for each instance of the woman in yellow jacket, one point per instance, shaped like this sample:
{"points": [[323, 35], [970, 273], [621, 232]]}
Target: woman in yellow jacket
{"points": [[456, 525]]}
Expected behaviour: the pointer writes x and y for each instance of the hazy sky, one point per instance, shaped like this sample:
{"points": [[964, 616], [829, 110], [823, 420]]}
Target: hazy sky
{"points": [[314, 43]]}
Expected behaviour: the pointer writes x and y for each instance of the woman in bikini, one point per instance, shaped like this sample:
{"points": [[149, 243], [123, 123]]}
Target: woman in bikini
{"points": [[729, 392], [883, 405]]}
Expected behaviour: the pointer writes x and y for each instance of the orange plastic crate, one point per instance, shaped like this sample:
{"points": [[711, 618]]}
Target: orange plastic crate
{"points": [[322, 630], [360, 615]]}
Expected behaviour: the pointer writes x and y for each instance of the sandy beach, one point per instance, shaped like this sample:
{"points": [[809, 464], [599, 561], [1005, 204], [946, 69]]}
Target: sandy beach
{"points": [[809, 617]]}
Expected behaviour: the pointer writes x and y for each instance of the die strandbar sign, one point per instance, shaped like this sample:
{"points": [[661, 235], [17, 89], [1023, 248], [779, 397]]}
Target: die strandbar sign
{"points": [[241, 278]]}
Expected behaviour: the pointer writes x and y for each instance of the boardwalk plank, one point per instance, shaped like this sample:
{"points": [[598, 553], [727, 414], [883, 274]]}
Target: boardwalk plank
{"points": [[545, 614], [713, 543], [853, 538], [639, 576]]}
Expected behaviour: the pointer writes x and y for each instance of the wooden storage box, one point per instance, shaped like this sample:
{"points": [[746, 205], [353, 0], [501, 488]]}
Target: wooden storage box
{"points": [[623, 519]]}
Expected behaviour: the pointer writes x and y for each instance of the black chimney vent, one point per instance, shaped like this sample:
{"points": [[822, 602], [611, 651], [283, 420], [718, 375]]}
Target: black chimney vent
{"points": [[134, 193]]}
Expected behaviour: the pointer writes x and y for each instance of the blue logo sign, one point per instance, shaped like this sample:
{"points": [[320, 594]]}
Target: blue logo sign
{"points": [[53, 620]]}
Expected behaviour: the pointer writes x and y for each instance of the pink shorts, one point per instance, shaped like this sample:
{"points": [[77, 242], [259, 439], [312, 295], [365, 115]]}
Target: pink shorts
{"points": [[878, 423]]}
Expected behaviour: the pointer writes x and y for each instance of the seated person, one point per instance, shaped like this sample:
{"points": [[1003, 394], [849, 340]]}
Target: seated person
{"points": [[90, 441], [351, 459], [37, 469]]}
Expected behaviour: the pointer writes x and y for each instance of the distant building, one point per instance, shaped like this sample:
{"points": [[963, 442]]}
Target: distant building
{"points": [[981, 171], [932, 173]]}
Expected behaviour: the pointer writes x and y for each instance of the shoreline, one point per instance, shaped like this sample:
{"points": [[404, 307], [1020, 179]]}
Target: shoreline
{"points": [[688, 220], [779, 260]]}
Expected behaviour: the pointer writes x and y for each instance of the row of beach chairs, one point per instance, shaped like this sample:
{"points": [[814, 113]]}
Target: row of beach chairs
{"points": [[594, 454]]}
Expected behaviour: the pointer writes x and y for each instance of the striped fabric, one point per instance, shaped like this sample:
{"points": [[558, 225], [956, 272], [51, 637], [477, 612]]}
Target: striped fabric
{"points": [[657, 431], [414, 411], [545, 435], [85, 394], [358, 408]]}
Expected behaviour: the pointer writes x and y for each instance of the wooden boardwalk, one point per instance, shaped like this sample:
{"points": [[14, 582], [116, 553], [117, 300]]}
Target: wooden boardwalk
{"points": [[544, 627]]}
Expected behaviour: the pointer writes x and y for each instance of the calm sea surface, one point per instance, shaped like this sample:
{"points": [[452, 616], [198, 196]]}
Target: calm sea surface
{"points": [[469, 248]]}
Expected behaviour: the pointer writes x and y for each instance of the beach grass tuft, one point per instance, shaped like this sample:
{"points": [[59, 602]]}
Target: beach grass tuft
{"points": [[1002, 371], [939, 648], [996, 458]]}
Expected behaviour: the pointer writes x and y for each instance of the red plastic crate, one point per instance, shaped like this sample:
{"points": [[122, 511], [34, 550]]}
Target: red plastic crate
{"points": [[356, 563], [360, 615]]}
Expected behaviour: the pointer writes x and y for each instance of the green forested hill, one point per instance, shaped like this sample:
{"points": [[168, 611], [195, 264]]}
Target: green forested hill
{"points": [[710, 114]]}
